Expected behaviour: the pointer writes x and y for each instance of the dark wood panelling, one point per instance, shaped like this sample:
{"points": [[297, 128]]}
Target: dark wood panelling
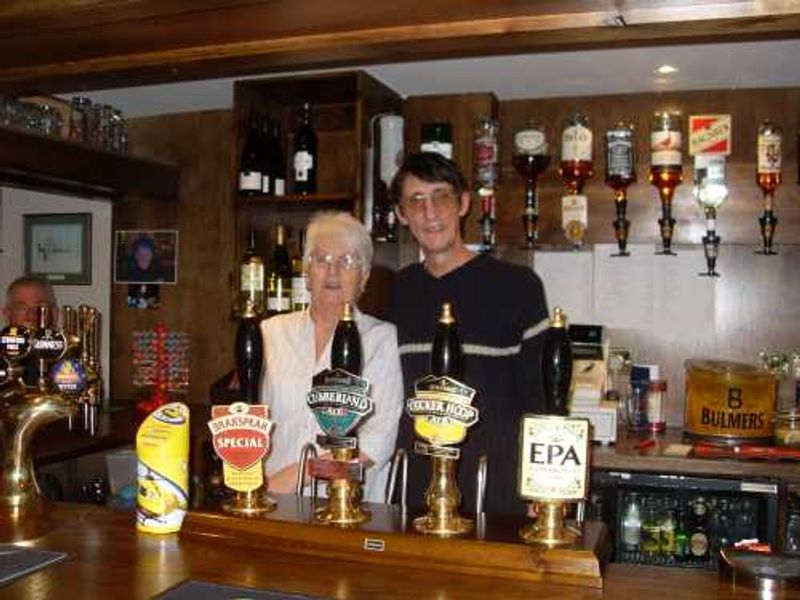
{"points": [[200, 303]]}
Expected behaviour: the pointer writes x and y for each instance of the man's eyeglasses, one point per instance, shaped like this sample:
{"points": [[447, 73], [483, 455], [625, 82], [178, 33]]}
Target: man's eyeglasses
{"points": [[439, 197], [346, 262]]}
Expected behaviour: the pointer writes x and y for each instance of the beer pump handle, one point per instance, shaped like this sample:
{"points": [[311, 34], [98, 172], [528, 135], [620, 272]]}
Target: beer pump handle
{"points": [[480, 489], [399, 463], [309, 450]]}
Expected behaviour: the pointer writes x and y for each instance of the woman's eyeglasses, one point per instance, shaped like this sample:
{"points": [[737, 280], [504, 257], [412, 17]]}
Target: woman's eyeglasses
{"points": [[346, 262]]}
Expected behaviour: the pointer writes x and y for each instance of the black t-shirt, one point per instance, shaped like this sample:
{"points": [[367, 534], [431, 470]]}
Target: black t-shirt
{"points": [[501, 314]]}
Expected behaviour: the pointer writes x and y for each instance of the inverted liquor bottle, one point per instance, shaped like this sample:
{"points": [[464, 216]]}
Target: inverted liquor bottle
{"points": [[346, 345], [557, 365], [305, 154], [710, 190], [666, 168], [486, 173], [768, 177], [279, 289], [576, 153], [249, 348], [531, 157], [620, 173], [447, 359]]}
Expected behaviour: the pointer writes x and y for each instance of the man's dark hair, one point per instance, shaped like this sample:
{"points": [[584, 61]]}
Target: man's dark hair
{"points": [[430, 167], [144, 241]]}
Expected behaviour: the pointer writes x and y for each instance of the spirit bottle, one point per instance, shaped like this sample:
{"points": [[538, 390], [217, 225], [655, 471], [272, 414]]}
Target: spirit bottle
{"points": [[576, 153], [486, 174], [620, 173], [768, 177], [300, 295], [666, 168], [530, 158]]}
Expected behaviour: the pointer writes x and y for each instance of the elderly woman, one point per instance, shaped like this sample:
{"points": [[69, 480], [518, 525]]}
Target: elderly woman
{"points": [[337, 261]]}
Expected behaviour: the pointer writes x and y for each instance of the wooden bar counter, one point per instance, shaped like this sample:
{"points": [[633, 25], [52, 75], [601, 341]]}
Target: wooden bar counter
{"points": [[108, 558]]}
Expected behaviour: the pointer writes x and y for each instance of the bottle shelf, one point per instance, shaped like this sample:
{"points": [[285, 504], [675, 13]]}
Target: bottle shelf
{"points": [[331, 200], [34, 160]]}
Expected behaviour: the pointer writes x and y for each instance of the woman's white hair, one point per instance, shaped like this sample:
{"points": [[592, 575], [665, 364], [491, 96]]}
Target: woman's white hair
{"points": [[344, 226]]}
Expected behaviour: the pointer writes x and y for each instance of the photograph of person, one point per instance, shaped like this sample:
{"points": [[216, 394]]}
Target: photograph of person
{"points": [[146, 257]]}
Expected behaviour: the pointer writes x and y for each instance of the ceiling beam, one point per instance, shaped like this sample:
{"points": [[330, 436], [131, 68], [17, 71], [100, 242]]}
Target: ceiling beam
{"points": [[172, 40]]}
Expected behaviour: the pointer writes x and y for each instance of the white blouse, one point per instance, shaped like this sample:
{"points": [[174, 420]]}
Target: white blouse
{"points": [[289, 354]]}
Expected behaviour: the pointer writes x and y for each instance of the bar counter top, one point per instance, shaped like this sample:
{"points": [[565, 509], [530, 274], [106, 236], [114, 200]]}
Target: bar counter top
{"points": [[628, 454], [108, 558]]}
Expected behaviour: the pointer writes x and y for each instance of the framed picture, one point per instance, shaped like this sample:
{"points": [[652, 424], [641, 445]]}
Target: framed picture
{"points": [[58, 247], [146, 256]]}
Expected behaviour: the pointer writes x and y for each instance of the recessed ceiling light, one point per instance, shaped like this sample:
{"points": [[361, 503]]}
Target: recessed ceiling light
{"points": [[667, 70]]}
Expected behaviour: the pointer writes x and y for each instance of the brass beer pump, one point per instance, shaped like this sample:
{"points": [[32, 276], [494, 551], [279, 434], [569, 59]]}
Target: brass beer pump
{"points": [[442, 413], [23, 411]]}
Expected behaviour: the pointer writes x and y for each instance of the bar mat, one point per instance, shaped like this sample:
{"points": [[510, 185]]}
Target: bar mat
{"points": [[16, 562], [199, 590]]}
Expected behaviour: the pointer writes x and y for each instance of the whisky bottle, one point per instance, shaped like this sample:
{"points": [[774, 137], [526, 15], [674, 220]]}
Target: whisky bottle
{"points": [[346, 345], [249, 354], [666, 168], [447, 358], [251, 279], [305, 154], [300, 296], [557, 365], [620, 173], [279, 289]]}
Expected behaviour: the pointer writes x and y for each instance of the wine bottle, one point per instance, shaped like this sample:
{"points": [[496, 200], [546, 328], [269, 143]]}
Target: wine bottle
{"points": [[264, 154], [249, 354], [251, 279], [305, 154], [279, 297], [557, 365], [249, 167], [447, 359], [278, 162], [346, 345], [300, 295]]}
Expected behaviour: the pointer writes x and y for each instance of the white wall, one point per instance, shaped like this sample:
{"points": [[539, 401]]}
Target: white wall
{"points": [[14, 203]]}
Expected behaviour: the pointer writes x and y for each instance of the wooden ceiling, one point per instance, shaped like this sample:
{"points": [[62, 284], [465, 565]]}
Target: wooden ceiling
{"points": [[70, 45]]}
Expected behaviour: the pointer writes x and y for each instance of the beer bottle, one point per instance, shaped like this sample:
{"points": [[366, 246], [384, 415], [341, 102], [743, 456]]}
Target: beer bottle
{"points": [[249, 354], [681, 538], [651, 529], [446, 356], [632, 523], [557, 365], [698, 532], [346, 345]]}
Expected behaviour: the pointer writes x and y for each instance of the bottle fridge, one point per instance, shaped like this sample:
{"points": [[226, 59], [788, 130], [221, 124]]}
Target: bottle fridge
{"points": [[683, 520]]}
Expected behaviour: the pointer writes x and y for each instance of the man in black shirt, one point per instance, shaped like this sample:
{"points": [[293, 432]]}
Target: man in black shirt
{"points": [[501, 313]]}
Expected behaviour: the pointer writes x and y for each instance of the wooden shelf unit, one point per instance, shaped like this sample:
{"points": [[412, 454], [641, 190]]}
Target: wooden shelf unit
{"points": [[33, 160], [343, 105]]}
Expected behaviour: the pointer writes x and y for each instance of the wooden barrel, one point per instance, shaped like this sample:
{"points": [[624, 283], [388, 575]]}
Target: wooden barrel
{"points": [[729, 402]]}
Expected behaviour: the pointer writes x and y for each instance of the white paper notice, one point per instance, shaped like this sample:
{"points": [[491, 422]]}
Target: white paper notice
{"points": [[623, 294], [683, 302], [568, 283]]}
